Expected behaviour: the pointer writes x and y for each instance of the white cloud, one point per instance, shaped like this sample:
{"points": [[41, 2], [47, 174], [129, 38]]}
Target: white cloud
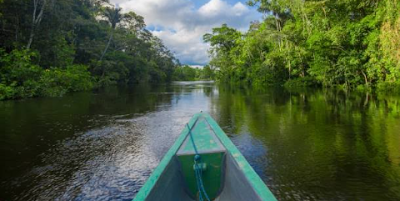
{"points": [[213, 7], [181, 25]]}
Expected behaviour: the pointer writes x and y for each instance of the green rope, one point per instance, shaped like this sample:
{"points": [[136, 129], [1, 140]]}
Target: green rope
{"points": [[197, 169]]}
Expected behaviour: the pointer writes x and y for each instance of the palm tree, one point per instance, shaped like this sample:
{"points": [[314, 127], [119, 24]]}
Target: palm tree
{"points": [[113, 16]]}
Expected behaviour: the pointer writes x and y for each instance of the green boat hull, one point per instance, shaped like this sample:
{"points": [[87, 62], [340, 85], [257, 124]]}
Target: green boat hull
{"points": [[226, 175]]}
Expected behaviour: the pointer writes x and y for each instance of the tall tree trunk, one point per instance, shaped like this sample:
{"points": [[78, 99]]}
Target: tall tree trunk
{"points": [[108, 45], [365, 77], [36, 19], [31, 35]]}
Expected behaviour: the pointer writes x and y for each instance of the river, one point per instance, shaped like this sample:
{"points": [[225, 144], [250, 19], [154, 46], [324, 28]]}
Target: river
{"points": [[103, 145]]}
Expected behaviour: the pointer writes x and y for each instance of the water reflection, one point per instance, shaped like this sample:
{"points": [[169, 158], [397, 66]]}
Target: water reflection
{"points": [[322, 145], [306, 145]]}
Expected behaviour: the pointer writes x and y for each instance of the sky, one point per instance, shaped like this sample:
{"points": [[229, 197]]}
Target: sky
{"points": [[181, 24]]}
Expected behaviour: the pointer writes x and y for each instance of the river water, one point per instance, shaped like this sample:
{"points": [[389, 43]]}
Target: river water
{"points": [[103, 145]]}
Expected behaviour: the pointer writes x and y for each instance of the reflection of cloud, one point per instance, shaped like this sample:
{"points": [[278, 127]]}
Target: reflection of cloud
{"points": [[181, 25]]}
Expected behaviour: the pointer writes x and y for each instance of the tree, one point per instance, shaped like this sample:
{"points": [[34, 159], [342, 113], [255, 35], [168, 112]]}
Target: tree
{"points": [[113, 17], [80, 44], [331, 43], [37, 16]]}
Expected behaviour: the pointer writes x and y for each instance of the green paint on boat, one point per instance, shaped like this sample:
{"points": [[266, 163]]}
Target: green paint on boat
{"points": [[226, 173], [211, 176], [212, 154]]}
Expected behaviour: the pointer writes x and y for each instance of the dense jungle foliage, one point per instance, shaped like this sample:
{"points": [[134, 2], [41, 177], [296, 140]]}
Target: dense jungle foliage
{"points": [[345, 43], [48, 48]]}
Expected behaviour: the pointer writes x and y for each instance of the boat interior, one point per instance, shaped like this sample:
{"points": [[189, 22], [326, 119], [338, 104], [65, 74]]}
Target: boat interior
{"points": [[222, 176]]}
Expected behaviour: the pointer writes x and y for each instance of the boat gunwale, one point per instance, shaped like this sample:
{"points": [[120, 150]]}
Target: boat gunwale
{"points": [[252, 177], [255, 181], [155, 175]]}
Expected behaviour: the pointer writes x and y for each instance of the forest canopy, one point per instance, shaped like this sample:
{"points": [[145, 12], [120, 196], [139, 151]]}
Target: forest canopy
{"points": [[346, 43], [49, 48]]}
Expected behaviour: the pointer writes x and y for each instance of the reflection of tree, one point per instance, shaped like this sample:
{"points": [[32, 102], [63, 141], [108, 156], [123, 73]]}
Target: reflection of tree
{"points": [[34, 125], [191, 88], [208, 90], [320, 141]]}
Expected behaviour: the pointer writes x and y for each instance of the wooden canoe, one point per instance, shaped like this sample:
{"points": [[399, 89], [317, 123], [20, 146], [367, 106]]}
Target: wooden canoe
{"points": [[225, 175]]}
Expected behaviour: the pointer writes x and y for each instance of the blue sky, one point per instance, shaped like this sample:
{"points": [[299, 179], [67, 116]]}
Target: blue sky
{"points": [[181, 23]]}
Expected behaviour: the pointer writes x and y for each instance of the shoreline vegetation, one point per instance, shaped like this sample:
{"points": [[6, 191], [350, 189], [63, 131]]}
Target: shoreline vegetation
{"points": [[352, 45], [49, 48], [187, 73]]}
